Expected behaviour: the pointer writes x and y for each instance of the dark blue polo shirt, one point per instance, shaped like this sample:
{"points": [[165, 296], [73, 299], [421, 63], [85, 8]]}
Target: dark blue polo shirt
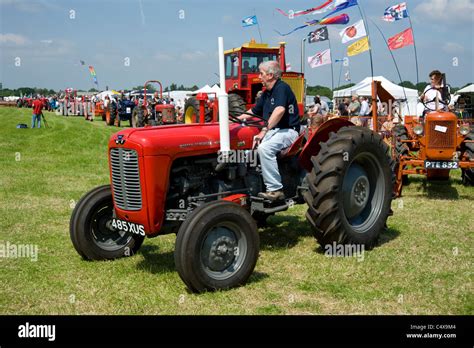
{"points": [[280, 95]]}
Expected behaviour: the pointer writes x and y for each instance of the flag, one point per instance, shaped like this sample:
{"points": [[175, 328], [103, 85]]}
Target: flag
{"points": [[340, 19], [400, 40], [395, 12], [358, 47], [320, 59], [342, 6], [319, 9], [355, 31], [93, 74], [347, 77], [320, 34], [249, 21]]}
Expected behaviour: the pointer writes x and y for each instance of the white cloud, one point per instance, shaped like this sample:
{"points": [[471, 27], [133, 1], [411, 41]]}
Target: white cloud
{"points": [[193, 56], [453, 47], [163, 57], [444, 10], [28, 6], [15, 39]]}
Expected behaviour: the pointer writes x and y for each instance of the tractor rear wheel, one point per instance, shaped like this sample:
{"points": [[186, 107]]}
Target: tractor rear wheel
{"points": [[237, 105], [400, 149], [141, 119], [468, 174], [350, 188], [217, 247], [91, 229], [191, 111]]}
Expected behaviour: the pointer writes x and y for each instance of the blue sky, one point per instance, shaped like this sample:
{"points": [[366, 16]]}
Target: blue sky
{"points": [[51, 37]]}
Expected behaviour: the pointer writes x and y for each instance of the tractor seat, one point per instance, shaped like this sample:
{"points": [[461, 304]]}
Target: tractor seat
{"points": [[293, 149]]}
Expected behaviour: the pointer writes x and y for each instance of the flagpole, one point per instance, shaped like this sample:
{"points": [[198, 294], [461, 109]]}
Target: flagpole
{"points": [[416, 56], [332, 69], [368, 39], [258, 26], [395, 62], [340, 73]]}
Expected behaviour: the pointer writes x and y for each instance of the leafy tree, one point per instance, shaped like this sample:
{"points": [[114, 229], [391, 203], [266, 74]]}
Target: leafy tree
{"points": [[319, 90], [93, 90], [407, 84], [344, 86]]}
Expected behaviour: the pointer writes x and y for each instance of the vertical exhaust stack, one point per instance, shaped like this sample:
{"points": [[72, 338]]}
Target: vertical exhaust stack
{"points": [[223, 104]]}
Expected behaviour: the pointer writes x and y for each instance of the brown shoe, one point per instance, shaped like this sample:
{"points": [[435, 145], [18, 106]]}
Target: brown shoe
{"points": [[272, 195]]}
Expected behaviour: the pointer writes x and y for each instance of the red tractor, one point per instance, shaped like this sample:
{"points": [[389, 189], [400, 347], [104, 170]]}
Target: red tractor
{"points": [[153, 112], [177, 179], [242, 81], [433, 145]]}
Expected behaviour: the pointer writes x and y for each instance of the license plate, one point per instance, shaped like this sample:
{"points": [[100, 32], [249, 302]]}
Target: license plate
{"points": [[129, 110], [441, 165], [127, 226]]}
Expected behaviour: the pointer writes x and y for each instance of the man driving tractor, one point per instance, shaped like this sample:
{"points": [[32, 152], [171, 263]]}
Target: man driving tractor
{"points": [[278, 106]]}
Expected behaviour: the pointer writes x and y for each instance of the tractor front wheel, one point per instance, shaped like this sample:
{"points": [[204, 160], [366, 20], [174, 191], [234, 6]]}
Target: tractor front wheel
{"points": [[350, 188], [216, 247], [91, 229]]}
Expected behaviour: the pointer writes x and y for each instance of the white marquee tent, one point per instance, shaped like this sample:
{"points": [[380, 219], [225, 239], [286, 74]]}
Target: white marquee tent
{"points": [[467, 89], [364, 88]]}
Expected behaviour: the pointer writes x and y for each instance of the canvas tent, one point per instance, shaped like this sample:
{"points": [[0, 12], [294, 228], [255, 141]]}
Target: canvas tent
{"points": [[467, 89], [364, 88], [208, 89]]}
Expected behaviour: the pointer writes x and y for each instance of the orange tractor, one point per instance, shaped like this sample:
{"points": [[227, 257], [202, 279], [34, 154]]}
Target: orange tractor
{"points": [[433, 145], [242, 81]]}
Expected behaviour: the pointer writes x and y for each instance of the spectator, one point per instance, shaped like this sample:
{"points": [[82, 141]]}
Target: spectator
{"points": [[324, 107], [37, 111], [364, 110], [343, 107]]}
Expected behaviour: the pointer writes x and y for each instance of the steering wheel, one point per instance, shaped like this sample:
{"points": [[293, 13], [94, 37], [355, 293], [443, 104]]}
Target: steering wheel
{"points": [[249, 122], [443, 102]]}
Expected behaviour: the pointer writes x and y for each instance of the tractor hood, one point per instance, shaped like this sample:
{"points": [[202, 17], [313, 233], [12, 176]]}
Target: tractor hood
{"points": [[174, 139]]}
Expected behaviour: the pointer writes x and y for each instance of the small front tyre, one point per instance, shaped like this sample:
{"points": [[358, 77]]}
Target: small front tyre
{"points": [[216, 247], [91, 229]]}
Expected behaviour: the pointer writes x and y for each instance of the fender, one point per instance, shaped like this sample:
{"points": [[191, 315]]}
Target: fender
{"points": [[313, 146]]}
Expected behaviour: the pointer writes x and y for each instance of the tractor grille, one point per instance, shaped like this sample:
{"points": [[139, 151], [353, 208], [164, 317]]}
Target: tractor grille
{"points": [[125, 179], [439, 139]]}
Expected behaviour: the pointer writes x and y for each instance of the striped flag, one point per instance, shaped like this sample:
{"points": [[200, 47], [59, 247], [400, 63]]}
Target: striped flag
{"points": [[395, 12]]}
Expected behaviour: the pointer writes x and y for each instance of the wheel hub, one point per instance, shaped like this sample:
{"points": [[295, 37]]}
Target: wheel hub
{"points": [[356, 190], [221, 253], [218, 249]]}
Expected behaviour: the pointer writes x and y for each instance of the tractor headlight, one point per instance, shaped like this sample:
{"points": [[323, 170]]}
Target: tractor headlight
{"points": [[464, 130], [418, 129]]}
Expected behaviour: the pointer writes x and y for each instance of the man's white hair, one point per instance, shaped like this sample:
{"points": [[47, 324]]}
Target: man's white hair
{"points": [[271, 67]]}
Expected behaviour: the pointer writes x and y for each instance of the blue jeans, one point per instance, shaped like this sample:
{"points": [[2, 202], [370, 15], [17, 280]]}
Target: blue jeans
{"points": [[34, 119], [274, 141]]}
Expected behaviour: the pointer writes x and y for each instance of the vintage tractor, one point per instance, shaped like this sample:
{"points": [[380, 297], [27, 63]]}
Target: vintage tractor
{"points": [[242, 81], [154, 114], [433, 145], [201, 181]]}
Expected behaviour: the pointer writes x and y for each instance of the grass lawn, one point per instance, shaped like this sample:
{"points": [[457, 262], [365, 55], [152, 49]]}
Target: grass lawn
{"points": [[422, 266]]}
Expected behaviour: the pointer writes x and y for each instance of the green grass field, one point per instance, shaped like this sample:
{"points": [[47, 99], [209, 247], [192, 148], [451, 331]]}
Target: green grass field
{"points": [[422, 266]]}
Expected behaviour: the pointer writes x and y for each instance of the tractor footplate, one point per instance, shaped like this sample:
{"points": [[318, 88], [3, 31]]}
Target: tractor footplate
{"points": [[268, 207]]}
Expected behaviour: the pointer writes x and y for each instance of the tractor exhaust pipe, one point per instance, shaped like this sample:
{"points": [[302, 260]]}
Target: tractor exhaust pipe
{"points": [[223, 104]]}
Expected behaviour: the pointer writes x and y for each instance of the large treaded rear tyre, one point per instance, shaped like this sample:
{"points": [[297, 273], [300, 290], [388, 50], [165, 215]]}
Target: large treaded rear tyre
{"points": [[468, 174], [91, 232], [237, 105], [350, 188], [191, 111], [216, 247], [401, 149]]}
